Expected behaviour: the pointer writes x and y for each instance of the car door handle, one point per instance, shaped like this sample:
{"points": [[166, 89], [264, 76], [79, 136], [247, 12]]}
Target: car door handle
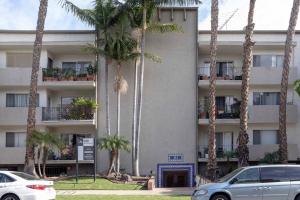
{"points": [[259, 188], [267, 188]]}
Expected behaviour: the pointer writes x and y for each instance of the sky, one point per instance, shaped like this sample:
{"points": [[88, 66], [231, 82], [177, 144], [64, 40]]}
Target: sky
{"points": [[269, 15]]}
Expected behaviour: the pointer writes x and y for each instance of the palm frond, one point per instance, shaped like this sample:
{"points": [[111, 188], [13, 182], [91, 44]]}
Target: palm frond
{"points": [[153, 57], [85, 15], [91, 48], [297, 86], [164, 28]]}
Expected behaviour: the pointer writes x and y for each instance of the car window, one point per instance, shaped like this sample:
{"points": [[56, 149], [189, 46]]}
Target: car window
{"points": [[5, 179], [273, 174], [230, 175], [293, 173], [25, 176], [248, 176]]}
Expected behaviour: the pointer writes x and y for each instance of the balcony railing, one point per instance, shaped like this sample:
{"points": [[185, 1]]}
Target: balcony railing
{"points": [[226, 111], [67, 153], [222, 151], [67, 113], [230, 73], [76, 74]]}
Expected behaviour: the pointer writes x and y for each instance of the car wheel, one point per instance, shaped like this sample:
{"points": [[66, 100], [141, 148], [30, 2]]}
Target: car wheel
{"points": [[220, 197], [10, 197]]}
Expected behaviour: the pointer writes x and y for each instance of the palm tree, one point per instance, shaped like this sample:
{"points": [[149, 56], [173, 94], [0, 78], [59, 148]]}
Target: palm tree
{"points": [[102, 16], [43, 141], [145, 10], [283, 152], [29, 166], [212, 164], [113, 144], [243, 138]]}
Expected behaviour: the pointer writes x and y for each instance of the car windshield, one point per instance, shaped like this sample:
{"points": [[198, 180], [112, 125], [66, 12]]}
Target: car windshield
{"points": [[230, 175], [25, 176]]}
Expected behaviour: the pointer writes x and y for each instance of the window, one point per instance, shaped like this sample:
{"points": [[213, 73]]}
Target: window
{"points": [[19, 59], [248, 176], [15, 139], [223, 69], [5, 179], [265, 137], [266, 98], [267, 61], [293, 173], [273, 174], [19, 100], [76, 67]]}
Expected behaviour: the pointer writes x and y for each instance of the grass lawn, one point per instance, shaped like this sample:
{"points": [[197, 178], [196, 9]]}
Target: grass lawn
{"points": [[123, 198], [88, 184]]}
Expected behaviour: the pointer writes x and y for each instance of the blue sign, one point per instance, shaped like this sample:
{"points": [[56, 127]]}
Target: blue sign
{"points": [[175, 157]]}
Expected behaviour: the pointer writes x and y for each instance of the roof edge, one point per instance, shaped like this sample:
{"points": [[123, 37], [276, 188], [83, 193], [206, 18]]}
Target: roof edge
{"points": [[48, 31]]}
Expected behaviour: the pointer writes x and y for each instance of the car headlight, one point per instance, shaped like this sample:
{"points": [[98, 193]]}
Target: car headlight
{"points": [[200, 192]]}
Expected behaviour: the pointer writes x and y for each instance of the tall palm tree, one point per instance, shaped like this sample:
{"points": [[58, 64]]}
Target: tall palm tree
{"points": [[146, 8], [102, 17], [29, 165], [212, 163], [283, 152], [113, 144], [243, 138]]}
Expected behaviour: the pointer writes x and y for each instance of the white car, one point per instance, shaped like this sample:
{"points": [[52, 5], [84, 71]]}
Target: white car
{"points": [[21, 186]]}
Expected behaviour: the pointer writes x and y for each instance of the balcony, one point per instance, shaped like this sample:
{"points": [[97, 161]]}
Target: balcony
{"points": [[270, 75], [261, 114], [70, 115], [257, 152], [228, 77], [13, 76], [223, 153], [227, 110]]}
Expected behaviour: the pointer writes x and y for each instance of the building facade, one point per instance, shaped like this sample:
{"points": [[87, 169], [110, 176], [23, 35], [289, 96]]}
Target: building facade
{"points": [[174, 128]]}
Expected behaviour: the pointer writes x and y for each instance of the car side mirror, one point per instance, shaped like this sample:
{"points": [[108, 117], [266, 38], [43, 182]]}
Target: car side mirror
{"points": [[233, 181]]}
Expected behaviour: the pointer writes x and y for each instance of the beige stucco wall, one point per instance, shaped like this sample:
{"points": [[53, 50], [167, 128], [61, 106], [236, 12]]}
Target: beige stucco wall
{"points": [[169, 105]]}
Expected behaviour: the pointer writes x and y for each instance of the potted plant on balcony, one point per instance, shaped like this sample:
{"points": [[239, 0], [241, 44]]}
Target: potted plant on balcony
{"points": [[68, 75], [91, 76], [82, 77], [82, 109], [48, 74]]}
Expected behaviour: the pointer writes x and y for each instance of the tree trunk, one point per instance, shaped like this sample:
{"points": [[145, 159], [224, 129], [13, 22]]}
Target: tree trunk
{"points": [[135, 165], [113, 155], [283, 151], [37, 48], [119, 77], [45, 157], [243, 138], [39, 162], [212, 164], [140, 92], [107, 98]]}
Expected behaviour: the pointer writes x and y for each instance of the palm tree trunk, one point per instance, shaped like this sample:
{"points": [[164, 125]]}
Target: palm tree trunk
{"points": [[212, 164], [140, 92], [112, 162], [283, 151], [39, 162], [243, 138], [37, 48], [107, 98], [45, 157], [135, 165], [118, 111]]}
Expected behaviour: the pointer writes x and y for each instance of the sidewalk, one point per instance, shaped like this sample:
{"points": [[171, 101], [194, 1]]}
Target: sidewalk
{"points": [[156, 191]]}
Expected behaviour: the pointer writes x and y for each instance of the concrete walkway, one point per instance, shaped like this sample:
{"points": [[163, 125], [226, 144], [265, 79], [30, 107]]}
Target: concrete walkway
{"points": [[156, 191]]}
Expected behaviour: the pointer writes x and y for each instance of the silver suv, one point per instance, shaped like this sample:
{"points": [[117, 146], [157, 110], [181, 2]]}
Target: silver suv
{"points": [[263, 182]]}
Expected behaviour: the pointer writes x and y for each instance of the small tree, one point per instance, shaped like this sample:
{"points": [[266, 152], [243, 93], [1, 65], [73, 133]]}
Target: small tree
{"points": [[113, 144], [43, 141]]}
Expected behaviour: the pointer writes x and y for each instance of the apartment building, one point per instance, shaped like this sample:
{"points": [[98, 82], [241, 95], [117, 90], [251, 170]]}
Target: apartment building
{"points": [[174, 131], [263, 107]]}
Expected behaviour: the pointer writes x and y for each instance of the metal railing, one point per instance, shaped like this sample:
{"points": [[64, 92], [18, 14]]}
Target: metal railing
{"points": [[222, 151], [72, 74], [67, 113], [228, 73], [228, 111]]}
